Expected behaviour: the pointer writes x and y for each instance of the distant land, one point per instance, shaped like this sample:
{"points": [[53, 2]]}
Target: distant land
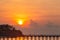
{"points": [[7, 30]]}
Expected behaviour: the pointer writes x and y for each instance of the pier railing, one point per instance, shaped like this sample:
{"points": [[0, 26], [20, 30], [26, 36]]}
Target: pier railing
{"points": [[33, 37]]}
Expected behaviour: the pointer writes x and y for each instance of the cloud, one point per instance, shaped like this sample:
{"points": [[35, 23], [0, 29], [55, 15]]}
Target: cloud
{"points": [[48, 29], [34, 24]]}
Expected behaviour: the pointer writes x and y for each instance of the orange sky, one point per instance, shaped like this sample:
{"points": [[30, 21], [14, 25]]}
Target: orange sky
{"points": [[39, 11]]}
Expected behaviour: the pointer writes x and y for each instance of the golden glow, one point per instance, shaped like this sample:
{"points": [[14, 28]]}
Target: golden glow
{"points": [[23, 22], [20, 22]]}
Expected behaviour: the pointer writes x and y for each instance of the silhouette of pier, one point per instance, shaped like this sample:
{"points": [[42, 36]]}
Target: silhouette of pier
{"points": [[33, 37]]}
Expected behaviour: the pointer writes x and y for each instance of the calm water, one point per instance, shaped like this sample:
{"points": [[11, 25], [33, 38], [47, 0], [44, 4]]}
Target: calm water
{"points": [[29, 38]]}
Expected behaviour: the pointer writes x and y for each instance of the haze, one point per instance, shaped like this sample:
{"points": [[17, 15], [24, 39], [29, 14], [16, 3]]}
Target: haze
{"points": [[41, 16]]}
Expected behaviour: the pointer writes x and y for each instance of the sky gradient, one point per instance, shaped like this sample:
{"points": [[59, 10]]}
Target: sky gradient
{"points": [[40, 16]]}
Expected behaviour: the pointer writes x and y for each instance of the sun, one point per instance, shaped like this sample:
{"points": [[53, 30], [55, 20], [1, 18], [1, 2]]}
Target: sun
{"points": [[23, 22], [20, 22]]}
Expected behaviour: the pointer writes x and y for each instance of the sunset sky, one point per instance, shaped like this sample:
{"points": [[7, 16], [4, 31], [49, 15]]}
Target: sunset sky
{"points": [[38, 16]]}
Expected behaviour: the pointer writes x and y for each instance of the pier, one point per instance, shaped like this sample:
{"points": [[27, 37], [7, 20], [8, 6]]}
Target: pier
{"points": [[33, 37]]}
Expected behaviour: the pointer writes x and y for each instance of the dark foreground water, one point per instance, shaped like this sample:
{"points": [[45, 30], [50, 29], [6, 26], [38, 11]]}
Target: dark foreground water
{"points": [[30, 38]]}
